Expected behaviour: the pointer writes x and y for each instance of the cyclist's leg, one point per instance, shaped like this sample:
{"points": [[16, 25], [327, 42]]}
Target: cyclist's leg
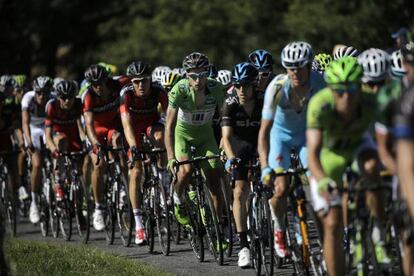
{"points": [[117, 140], [330, 213], [37, 134], [98, 170], [182, 152], [156, 134]]}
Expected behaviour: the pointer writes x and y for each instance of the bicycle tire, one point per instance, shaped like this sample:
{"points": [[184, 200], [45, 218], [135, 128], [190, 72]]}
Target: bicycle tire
{"points": [[228, 218], [266, 235], [124, 213], [109, 214], [79, 197], [65, 219], [149, 220], [10, 205], [253, 226], [162, 219], [86, 207], [196, 233], [212, 226]]}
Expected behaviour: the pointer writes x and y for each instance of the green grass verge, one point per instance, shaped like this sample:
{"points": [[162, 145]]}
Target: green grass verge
{"points": [[36, 258]]}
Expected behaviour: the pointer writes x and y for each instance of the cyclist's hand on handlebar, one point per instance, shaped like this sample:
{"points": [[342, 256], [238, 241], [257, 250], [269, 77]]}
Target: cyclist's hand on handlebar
{"points": [[326, 184], [171, 165], [30, 149], [55, 154], [96, 148], [266, 175], [230, 162]]}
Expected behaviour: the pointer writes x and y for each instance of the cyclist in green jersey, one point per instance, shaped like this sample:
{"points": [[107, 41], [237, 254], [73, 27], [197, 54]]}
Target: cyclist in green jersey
{"points": [[337, 120], [192, 103]]}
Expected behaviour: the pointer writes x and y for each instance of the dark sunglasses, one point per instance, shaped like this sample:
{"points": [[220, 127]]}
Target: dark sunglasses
{"points": [[42, 92], [348, 88], [138, 80], [200, 75], [374, 83], [64, 98], [241, 84], [265, 74]]}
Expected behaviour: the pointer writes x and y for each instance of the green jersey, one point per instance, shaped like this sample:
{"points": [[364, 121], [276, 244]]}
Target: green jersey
{"points": [[190, 117], [343, 139], [387, 100]]}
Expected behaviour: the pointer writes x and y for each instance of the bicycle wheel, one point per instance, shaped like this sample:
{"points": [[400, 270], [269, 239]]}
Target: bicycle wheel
{"points": [[80, 203], [124, 213], [266, 235], [10, 198], [253, 225], [149, 217], [196, 233], [228, 220], [162, 219], [53, 218], [65, 209], [295, 249], [44, 207]]}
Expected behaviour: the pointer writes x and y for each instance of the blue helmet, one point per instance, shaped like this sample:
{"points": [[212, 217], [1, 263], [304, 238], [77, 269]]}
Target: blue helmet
{"points": [[261, 59], [244, 73]]}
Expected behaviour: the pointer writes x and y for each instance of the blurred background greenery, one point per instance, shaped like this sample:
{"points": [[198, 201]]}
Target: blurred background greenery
{"points": [[62, 37]]}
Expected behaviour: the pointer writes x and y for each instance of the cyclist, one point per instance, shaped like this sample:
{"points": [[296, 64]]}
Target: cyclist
{"points": [[344, 51], [397, 67], [7, 84], [192, 103], [240, 123], [404, 135], [169, 80], [212, 71], [376, 65], [332, 147], [224, 76], [63, 128], [263, 61], [283, 126], [159, 72], [320, 62], [100, 110], [33, 119], [139, 114]]}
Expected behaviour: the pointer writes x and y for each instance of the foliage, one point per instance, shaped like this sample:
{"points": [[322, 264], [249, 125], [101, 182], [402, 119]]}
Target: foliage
{"points": [[61, 37]]}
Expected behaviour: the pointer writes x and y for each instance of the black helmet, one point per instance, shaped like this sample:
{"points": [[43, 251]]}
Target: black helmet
{"points": [[7, 81], [244, 73], [195, 60], [66, 89], [42, 83], [407, 52], [138, 68], [212, 71], [96, 73], [261, 59]]}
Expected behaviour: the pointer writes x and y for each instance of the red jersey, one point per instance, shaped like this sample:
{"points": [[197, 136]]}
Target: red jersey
{"points": [[105, 112], [143, 111]]}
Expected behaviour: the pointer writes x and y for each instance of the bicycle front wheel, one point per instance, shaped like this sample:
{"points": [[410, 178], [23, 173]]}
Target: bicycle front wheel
{"points": [[266, 235], [124, 213], [162, 218]]}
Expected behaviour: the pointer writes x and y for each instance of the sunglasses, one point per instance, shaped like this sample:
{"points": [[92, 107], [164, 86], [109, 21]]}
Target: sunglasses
{"points": [[374, 83], [138, 80], [264, 74], [42, 92], [65, 98], [348, 88], [200, 75], [293, 65], [242, 85]]}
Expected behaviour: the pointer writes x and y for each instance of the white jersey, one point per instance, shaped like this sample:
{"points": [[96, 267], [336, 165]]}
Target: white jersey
{"points": [[37, 112]]}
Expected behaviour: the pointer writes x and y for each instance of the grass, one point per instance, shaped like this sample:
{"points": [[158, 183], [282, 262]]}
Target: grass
{"points": [[37, 258]]}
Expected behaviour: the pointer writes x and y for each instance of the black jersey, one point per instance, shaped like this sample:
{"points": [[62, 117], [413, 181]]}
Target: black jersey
{"points": [[245, 127], [404, 119]]}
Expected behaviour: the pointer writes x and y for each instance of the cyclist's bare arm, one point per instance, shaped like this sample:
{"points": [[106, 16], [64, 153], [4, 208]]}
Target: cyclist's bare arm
{"points": [[26, 127], [405, 161], [263, 141], [314, 143], [385, 155], [90, 130], [170, 123], [227, 133], [82, 133], [49, 139], [128, 130]]}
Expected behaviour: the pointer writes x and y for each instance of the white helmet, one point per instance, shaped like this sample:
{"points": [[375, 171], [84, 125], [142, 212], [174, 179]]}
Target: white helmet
{"points": [[397, 66], [376, 64], [180, 71], [159, 72], [56, 81], [224, 76], [345, 51], [296, 54]]}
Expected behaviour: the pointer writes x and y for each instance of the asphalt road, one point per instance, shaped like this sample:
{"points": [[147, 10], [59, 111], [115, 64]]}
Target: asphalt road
{"points": [[181, 260]]}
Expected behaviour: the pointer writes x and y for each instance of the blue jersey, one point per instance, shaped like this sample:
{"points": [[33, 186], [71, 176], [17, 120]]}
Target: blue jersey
{"points": [[289, 125]]}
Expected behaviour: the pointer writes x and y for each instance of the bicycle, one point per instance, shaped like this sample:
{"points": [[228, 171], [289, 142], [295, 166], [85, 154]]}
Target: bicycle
{"points": [[306, 255], [156, 208], [203, 216], [8, 195], [75, 194], [260, 223], [118, 211]]}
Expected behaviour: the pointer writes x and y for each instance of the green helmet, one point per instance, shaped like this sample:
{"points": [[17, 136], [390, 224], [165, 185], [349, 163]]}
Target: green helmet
{"points": [[110, 68], [321, 61], [20, 80], [343, 71]]}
